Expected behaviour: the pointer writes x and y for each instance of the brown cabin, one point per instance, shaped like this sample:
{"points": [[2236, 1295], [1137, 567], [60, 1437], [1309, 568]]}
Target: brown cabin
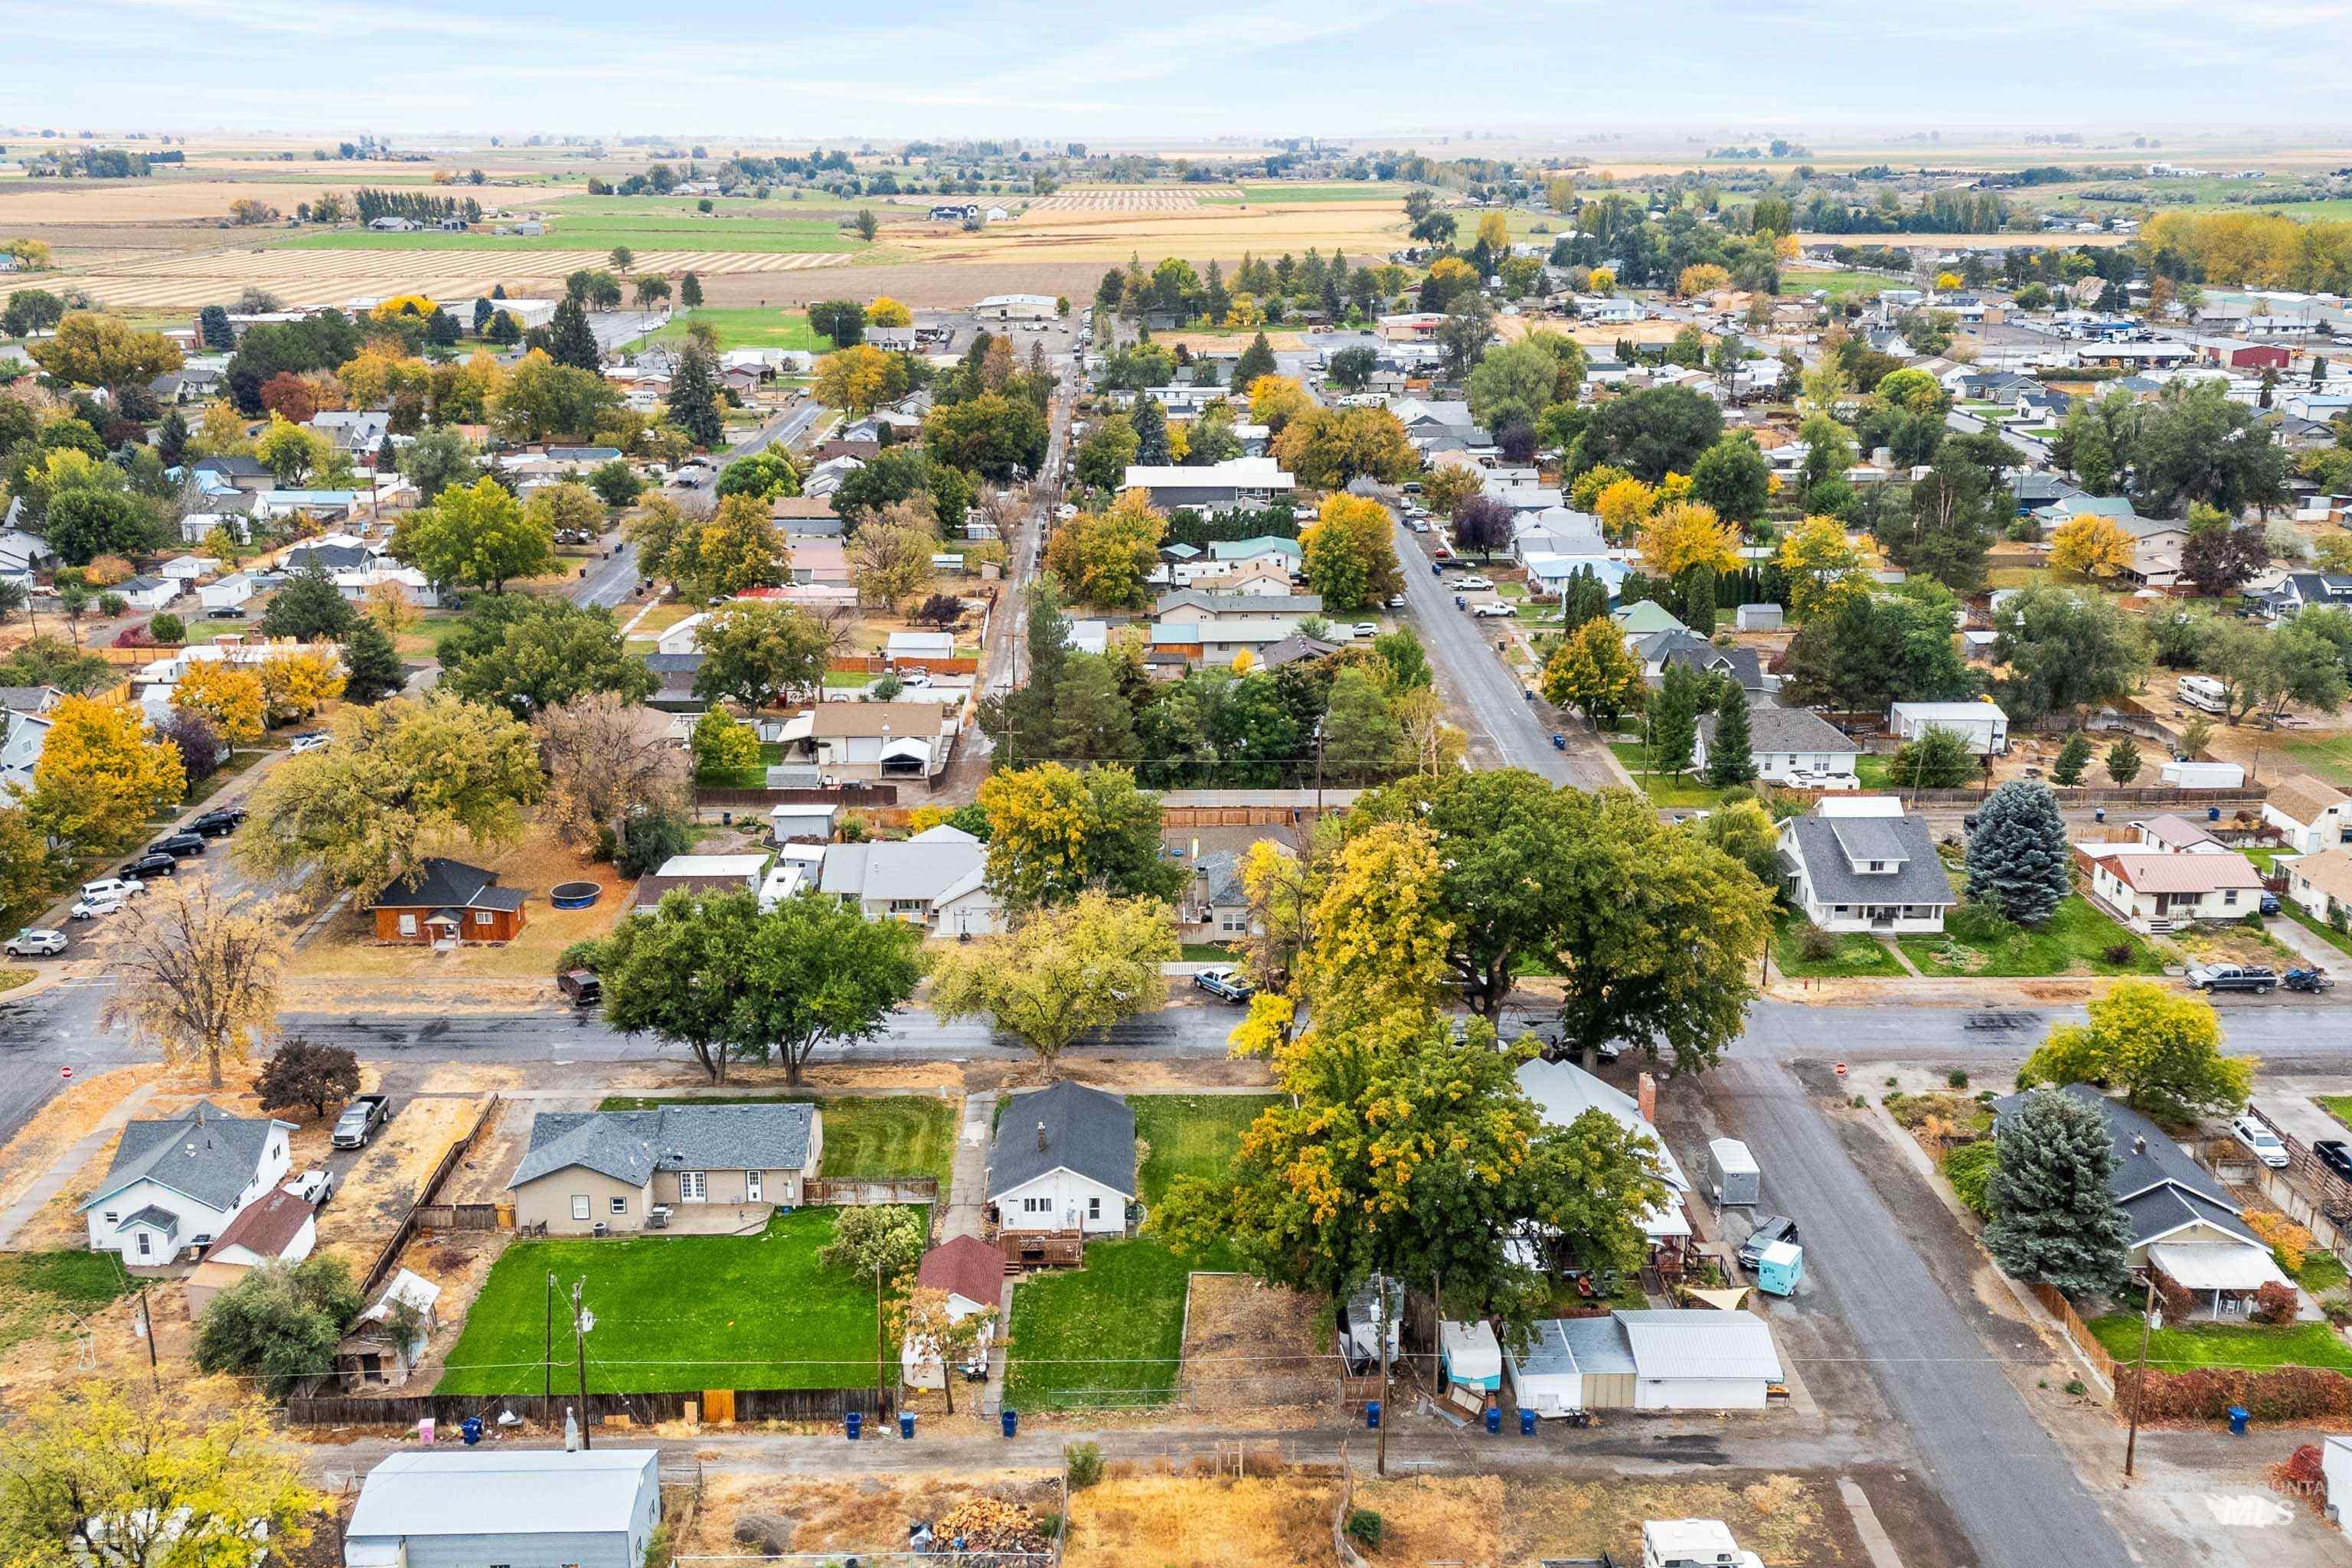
{"points": [[446, 900]]}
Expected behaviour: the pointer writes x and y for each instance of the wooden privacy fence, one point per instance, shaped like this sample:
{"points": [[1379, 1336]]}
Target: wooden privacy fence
{"points": [[2050, 1296], [381, 1270], [640, 1409], [819, 1191], [837, 794], [456, 1216]]}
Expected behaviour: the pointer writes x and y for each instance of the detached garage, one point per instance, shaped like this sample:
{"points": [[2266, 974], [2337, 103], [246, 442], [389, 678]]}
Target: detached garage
{"points": [[1696, 1359]]}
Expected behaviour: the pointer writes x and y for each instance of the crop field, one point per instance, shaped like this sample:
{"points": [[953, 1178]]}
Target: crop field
{"points": [[570, 227], [442, 272], [1365, 230], [1157, 199], [130, 202], [1281, 193]]}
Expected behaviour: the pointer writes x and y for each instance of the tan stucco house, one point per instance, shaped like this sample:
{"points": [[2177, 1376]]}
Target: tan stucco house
{"points": [[611, 1168]]}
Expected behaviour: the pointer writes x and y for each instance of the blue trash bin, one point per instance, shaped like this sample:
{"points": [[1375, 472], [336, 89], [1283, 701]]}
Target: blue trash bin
{"points": [[907, 1424], [1373, 1413], [470, 1429], [855, 1421], [2238, 1417], [1494, 1419], [1526, 1422], [1009, 1419]]}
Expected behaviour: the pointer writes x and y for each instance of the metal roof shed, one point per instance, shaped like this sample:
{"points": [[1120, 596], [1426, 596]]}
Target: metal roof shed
{"points": [[447, 1509]]}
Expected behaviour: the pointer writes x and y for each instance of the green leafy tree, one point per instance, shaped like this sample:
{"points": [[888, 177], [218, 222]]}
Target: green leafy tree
{"points": [[724, 748], [477, 534], [1650, 433], [528, 655], [2018, 859], [570, 340], [280, 1324], [754, 651], [2162, 1048], [1674, 720], [301, 1072], [2055, 1219], [2064, 649], [437, 459], [1065, 971], [308, 607], [1940, 758], [1734, 478]]}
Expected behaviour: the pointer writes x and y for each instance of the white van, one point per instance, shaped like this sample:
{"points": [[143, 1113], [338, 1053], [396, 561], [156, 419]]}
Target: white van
{"points": [[2204, 692]]}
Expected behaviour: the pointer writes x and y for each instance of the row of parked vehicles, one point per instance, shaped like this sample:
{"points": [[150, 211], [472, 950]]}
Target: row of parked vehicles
{"points": [[108, 894]]}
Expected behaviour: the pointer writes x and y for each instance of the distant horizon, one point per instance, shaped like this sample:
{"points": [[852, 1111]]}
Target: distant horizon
{"points": [[1049, 70]]}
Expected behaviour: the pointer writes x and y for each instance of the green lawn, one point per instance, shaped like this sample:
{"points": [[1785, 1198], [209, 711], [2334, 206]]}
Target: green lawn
{"points": [[675, 1313], [41, 1291], [647, 233], [2321, 1270], [2194, 1345], [1871, 769], [1836, 285], [1207, 952], [2328, 757], [1282, 194], [2073, 943], [1111, 1333], [2339, 1106], [750, 328], [867, 1137], [2324, 931], [1662, 791], [1857, 953]]}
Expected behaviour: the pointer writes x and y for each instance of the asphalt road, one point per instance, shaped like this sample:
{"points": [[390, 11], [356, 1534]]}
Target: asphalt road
{"points": [[1481, 693], [1970, 424]]}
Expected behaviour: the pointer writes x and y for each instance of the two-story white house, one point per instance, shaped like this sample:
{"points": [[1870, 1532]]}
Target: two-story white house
{"points": [[2310, 816], [176, 1183], [1063, 1161], [1859, 863]]}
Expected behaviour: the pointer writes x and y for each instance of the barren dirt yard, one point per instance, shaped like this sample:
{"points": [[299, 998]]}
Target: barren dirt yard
{"points": [[1248, 1345], [385, 1179], [1491, 1522], [785, 1513], [1172, 1521]]}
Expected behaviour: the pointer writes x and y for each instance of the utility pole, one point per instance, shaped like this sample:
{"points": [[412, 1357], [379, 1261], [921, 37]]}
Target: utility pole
{"points": [[1380, 1453], [580, 1349], [547, 1346], [147, 1320], [877, 1341], [2140, 1380]]}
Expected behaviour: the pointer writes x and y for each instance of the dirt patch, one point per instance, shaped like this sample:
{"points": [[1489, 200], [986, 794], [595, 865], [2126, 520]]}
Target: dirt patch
{"points": [[481, 1175], [458, 1262], [868, 1514], [1248, 1345], [68, 1116], [378, 1189], [1785, 1519], [1438, 1518], [1277, 1521]]}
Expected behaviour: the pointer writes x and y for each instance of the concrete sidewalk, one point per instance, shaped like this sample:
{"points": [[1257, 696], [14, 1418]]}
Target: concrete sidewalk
{"points": [[968, 1197], [68, 1165]]}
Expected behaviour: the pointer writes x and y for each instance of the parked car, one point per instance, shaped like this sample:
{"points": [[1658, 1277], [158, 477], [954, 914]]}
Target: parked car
{"points": [[1222, 981], [313, 1187], [91, 907], [2335, 1155], [2270, 903], [360, 1120], [154, 863], [2256, 1135], [36, 942], [1066, 512], [1473, 580], [1367, 629], [1769, 1228], [2254, 977], [179, 846], [227, 613], [582, 986], [220, 822], [1396, 601], [116, 887], [1496, 610], [309, 741]]}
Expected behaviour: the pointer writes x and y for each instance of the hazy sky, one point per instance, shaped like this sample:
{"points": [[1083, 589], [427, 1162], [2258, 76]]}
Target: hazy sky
{"points": [[1373, 67]]}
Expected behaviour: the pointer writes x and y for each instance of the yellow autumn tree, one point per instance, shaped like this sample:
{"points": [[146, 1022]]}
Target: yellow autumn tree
{"points": [[1595, 673], [1495, 232], [1380, 934], [101, 776], [297, 685], [1453, 275], [1824, 564], [2090, 546], [415, 306], [852, 379], [885, 311], [1275, 400], [1623, 505], [1701, 277], [1686, 535], [1242, 311], [1602, 281], [227, 698]]}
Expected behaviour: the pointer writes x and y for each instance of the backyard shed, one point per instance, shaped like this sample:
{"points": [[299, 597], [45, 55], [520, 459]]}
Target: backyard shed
{"points": [[1731, 1174], [1695, 1359], [1760, 618], [530, 1508], [1473, 1357], [1545, 1377]]}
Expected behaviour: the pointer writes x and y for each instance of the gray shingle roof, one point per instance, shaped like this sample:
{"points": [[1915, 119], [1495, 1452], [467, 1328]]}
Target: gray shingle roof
{"points": [[159, 1219], [630, 1145], [1920, 879], [1087, 1131], [2161, 1187], [203, 1152], [1786, 729], [442, 883]]}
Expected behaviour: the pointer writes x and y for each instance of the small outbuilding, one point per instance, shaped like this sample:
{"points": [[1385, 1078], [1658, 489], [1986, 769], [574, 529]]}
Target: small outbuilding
{"points": [[534, 1507], [1731, 1174], [1472, 1356], [1758, 618]]}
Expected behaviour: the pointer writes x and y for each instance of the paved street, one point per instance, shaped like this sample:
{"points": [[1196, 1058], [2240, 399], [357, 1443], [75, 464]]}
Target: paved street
{"points": [[1480, 692]]}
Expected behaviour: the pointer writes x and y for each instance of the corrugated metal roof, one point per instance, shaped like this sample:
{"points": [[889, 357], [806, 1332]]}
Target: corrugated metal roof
{"points": [[1689, 1342], [535, 1491]]}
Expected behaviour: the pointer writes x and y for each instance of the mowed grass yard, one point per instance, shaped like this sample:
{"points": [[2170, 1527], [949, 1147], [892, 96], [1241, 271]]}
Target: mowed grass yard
{"points": [[675, 1313], [750, 328], [2194, 1345], [2326, 756], [39, 1289], [2076, 941], [1111, 1333], [867, 1137]]}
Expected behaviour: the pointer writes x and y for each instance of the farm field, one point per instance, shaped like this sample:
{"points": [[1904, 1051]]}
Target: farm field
{"points": [[760, 1314], [1198, 231], [313, 277], [572, 226], [750, 329], [1277, 193]]}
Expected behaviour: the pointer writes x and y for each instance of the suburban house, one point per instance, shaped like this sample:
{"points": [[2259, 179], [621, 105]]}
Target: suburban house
{"points": [[387, 1339], [2321, 886], [277, 1227], [1215, 906], [972, 1273], [245, 474], [2171, 834], [2299, 590], [590, 1170], [2155, 890], [1562, 1091], [1981, 723], [1236, 554], [1644, 618], [1218, 642], [177, 1182], [935, 879], [1222, 609], [1681, 1359], [1212, 487], [1790, 745], [533, 1508], [865, 742], [1859, 863], [2183, 1221], [27, 730], [2310, 816], [446, 900], [1062, 1164]]}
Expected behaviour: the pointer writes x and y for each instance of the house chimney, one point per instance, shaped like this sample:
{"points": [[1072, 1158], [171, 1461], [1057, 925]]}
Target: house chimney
{"points": [[1645, 1096], [2139, 1143], [1041, 1137]]}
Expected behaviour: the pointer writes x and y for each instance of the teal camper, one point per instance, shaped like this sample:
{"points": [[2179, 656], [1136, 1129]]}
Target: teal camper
{"points": [[1781, 1266]]}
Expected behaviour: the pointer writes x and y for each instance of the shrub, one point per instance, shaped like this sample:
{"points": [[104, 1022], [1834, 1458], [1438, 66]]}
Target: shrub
{"points": [[2076, 1388], [2173, 1300], [2288, 1242], [168, 627], [1978, 925], [2337, 1304], [1365, 1528], [112, 603], [1816, 945], [2117, 954], [1957, 1078], [1969, 1170], [2273, 1303], [1084, 1462], [2303, 1394]]}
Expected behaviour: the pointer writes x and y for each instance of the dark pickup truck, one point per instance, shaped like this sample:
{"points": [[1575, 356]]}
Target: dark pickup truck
{"points": [[2254, 978]]}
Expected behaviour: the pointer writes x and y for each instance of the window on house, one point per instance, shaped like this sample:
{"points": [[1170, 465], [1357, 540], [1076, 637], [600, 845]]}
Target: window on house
{"points": [[579, 1205], [2230, 896], [691, 1185], [408, 925], [481, 917], [1094, 1208], [1036, 1206]]}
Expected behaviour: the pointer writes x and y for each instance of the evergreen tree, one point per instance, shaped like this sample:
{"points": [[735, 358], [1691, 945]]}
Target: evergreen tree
{"points": [[2073, 759], [483, 312], [1584, 599], [571, 341], [689, 292], [1218, 299], [1674, 720], [212, 323], [172, 439], [1256, 360], [694, 397], [504, 330], [1729, 761], [2055, 1218], [1938, 759], [1150, 423], [370, 664], [2123, 761], [1698, 600], [2018, 859], [308, 607], [441, 329]]}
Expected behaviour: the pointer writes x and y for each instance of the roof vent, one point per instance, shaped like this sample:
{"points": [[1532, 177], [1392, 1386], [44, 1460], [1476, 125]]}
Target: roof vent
{"points": [[2139, 1143], [1041, 1137]]}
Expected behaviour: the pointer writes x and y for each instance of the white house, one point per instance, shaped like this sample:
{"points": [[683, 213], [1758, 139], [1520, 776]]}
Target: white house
{"points": [[936, 879], [1063, 1160], [1562, 1091], [1858, 864], [972, 1273], [179, 1181], [2309, 814], [148, 593], [20, 750], [277, 1227], [227, 594], [1981, 723], [1218, 487], [2321, 885], [2153, 891], [1791, 746]]}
